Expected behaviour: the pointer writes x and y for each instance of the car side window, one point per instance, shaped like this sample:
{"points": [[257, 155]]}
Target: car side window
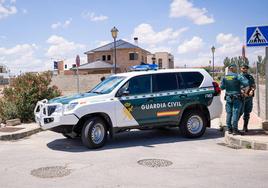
{"points": [[138, 85], [164, 82], [191, 79]]}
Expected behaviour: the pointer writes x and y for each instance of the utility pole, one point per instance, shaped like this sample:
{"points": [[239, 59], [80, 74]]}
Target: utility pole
{"points": [[77, 62], [257, 88], [266, 85]]}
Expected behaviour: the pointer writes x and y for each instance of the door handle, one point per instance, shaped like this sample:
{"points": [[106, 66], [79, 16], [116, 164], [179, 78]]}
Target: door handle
{"points": [[183, 96]]}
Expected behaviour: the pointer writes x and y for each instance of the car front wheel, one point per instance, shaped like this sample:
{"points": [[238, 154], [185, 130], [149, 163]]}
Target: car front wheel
{"points": [[94, 133], [193, 124]]}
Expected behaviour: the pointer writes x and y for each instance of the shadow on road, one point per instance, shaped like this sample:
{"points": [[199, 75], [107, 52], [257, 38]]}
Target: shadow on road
{"points": [[132, 139]]}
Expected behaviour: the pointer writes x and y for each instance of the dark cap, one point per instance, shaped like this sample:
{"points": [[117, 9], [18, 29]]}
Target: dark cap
{"points": [[245, 66], [233, 65]]}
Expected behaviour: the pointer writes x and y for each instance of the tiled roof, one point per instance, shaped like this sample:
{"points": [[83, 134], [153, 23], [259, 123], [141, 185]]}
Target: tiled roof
{"points": [[96, 65], [120, 44]]}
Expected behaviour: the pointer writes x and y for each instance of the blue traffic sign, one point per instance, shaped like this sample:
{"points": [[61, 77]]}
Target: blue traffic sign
{"points": [[257, 36]]}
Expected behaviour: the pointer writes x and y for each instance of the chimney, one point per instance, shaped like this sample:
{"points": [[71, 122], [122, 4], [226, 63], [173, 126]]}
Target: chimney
{"points": [[136, 41], [243, 52]]}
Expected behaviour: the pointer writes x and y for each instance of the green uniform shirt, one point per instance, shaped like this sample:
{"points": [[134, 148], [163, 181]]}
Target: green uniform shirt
{"points": [[250, 79], [233, 83]]}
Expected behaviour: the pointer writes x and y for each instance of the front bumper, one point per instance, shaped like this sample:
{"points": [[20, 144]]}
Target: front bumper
{"points": [[48, 120]]}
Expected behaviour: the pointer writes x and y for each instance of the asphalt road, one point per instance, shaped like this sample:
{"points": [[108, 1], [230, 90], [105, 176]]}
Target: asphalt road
{"points": [[195, 163]]}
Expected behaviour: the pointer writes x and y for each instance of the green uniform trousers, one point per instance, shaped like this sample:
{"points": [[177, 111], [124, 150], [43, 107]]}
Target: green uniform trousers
{"points": [[233, 110], [246, 108]]}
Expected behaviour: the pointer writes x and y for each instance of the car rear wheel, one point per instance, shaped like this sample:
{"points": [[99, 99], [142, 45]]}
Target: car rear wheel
{"points": [[193, 124], [94, 133]]}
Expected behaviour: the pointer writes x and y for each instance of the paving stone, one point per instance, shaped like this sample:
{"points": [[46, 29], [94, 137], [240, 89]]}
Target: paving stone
{"points": [[246, 144], [13, 122], [265, 125], [260, 146]]}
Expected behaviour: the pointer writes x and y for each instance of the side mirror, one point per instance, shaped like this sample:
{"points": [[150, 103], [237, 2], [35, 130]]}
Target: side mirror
{"points": [[122, 93], [125, 93]]}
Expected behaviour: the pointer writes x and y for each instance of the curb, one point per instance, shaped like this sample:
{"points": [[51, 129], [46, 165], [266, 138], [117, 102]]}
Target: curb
{"points": [[16, 136], [244, 143]]}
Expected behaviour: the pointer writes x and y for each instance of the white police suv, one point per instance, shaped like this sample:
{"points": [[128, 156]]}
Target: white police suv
{"points": [[184, 98]]}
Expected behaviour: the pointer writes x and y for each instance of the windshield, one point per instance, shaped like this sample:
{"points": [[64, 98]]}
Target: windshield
{"points": [[107, 85]]}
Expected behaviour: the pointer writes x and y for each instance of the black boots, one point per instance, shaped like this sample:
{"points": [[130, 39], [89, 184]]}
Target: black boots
{"points": [[245, 128], [237, 132]]}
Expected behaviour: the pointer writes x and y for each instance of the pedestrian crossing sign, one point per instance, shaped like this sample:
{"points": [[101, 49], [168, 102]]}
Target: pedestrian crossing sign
{"points": [[257, 36]]}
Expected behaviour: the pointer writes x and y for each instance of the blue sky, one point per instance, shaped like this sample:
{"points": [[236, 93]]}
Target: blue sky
{"points": [[34, 33]]}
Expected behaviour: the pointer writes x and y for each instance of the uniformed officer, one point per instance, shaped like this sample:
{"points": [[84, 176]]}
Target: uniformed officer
{"points": [[247, 104], [232, 83]]}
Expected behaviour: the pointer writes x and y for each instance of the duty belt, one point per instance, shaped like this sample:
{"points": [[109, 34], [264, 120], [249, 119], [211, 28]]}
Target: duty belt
{"points": [[233, 96]]}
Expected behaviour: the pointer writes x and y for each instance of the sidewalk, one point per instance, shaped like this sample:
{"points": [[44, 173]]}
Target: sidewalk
{"points": [[19, 131], [256, 138]]}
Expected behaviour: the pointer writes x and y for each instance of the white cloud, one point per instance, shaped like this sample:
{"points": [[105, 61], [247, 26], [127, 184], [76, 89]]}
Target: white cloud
{"points": [[62, 48], [147, 35], [7, 8], [198, 61], [93, 17], [22, 58], [184, 8], [65, 24], [102, 43], [193, 45], [160, 49], [229, 45]]}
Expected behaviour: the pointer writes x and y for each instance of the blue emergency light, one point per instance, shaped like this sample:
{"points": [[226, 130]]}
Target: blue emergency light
{"points": [[144, 67]]}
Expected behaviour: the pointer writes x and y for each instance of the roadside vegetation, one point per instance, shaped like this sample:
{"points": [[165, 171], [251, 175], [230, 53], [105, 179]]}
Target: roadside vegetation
{"points": [[20, 98]]}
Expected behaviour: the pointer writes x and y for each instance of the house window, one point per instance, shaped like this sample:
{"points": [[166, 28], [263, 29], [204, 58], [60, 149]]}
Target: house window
{"points": [[109, 58], [65, 66], [160, 63], [104, 58], [133, 56]]}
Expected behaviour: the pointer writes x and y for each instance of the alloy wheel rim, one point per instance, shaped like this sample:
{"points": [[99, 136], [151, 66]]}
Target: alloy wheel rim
{"points": [[97, 133], [195, 124]]}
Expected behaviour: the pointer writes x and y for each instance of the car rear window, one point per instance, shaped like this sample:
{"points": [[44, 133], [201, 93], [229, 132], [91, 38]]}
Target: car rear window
{"points": [[164, 82], [191, 79]]}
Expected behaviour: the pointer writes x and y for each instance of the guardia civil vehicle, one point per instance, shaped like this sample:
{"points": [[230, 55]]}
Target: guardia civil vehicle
{"points": [[184, 98]]}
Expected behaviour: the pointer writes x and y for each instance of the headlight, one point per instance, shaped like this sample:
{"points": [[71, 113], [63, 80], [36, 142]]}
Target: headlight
{"points": [[59, 110], [71, 106]]}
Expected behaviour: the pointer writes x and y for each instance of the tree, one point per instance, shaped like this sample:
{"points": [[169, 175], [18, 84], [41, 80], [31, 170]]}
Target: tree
{"points": [[235, 60], [226, 63], [25, 91]]}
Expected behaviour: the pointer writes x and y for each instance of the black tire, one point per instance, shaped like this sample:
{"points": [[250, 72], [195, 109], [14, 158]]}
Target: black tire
{"points": [[196, 131], [87, 133]]}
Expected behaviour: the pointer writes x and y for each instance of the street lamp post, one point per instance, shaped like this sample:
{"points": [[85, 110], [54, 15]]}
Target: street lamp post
{"points": [[77, 62], [213, 51], [114, 32]]}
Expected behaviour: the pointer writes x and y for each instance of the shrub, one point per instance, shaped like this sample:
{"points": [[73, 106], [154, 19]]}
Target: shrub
{"points": [[23, 94], [8, 110]]}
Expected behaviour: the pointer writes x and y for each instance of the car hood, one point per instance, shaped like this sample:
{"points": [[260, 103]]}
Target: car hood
{"points": [[67, 99]]}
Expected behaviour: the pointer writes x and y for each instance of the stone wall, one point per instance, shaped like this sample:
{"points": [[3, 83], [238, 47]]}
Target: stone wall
{"points": [[68, 83]]}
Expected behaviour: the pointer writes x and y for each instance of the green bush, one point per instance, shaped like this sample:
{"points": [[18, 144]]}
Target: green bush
{"points": [[8, 110], [25, 91]]}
